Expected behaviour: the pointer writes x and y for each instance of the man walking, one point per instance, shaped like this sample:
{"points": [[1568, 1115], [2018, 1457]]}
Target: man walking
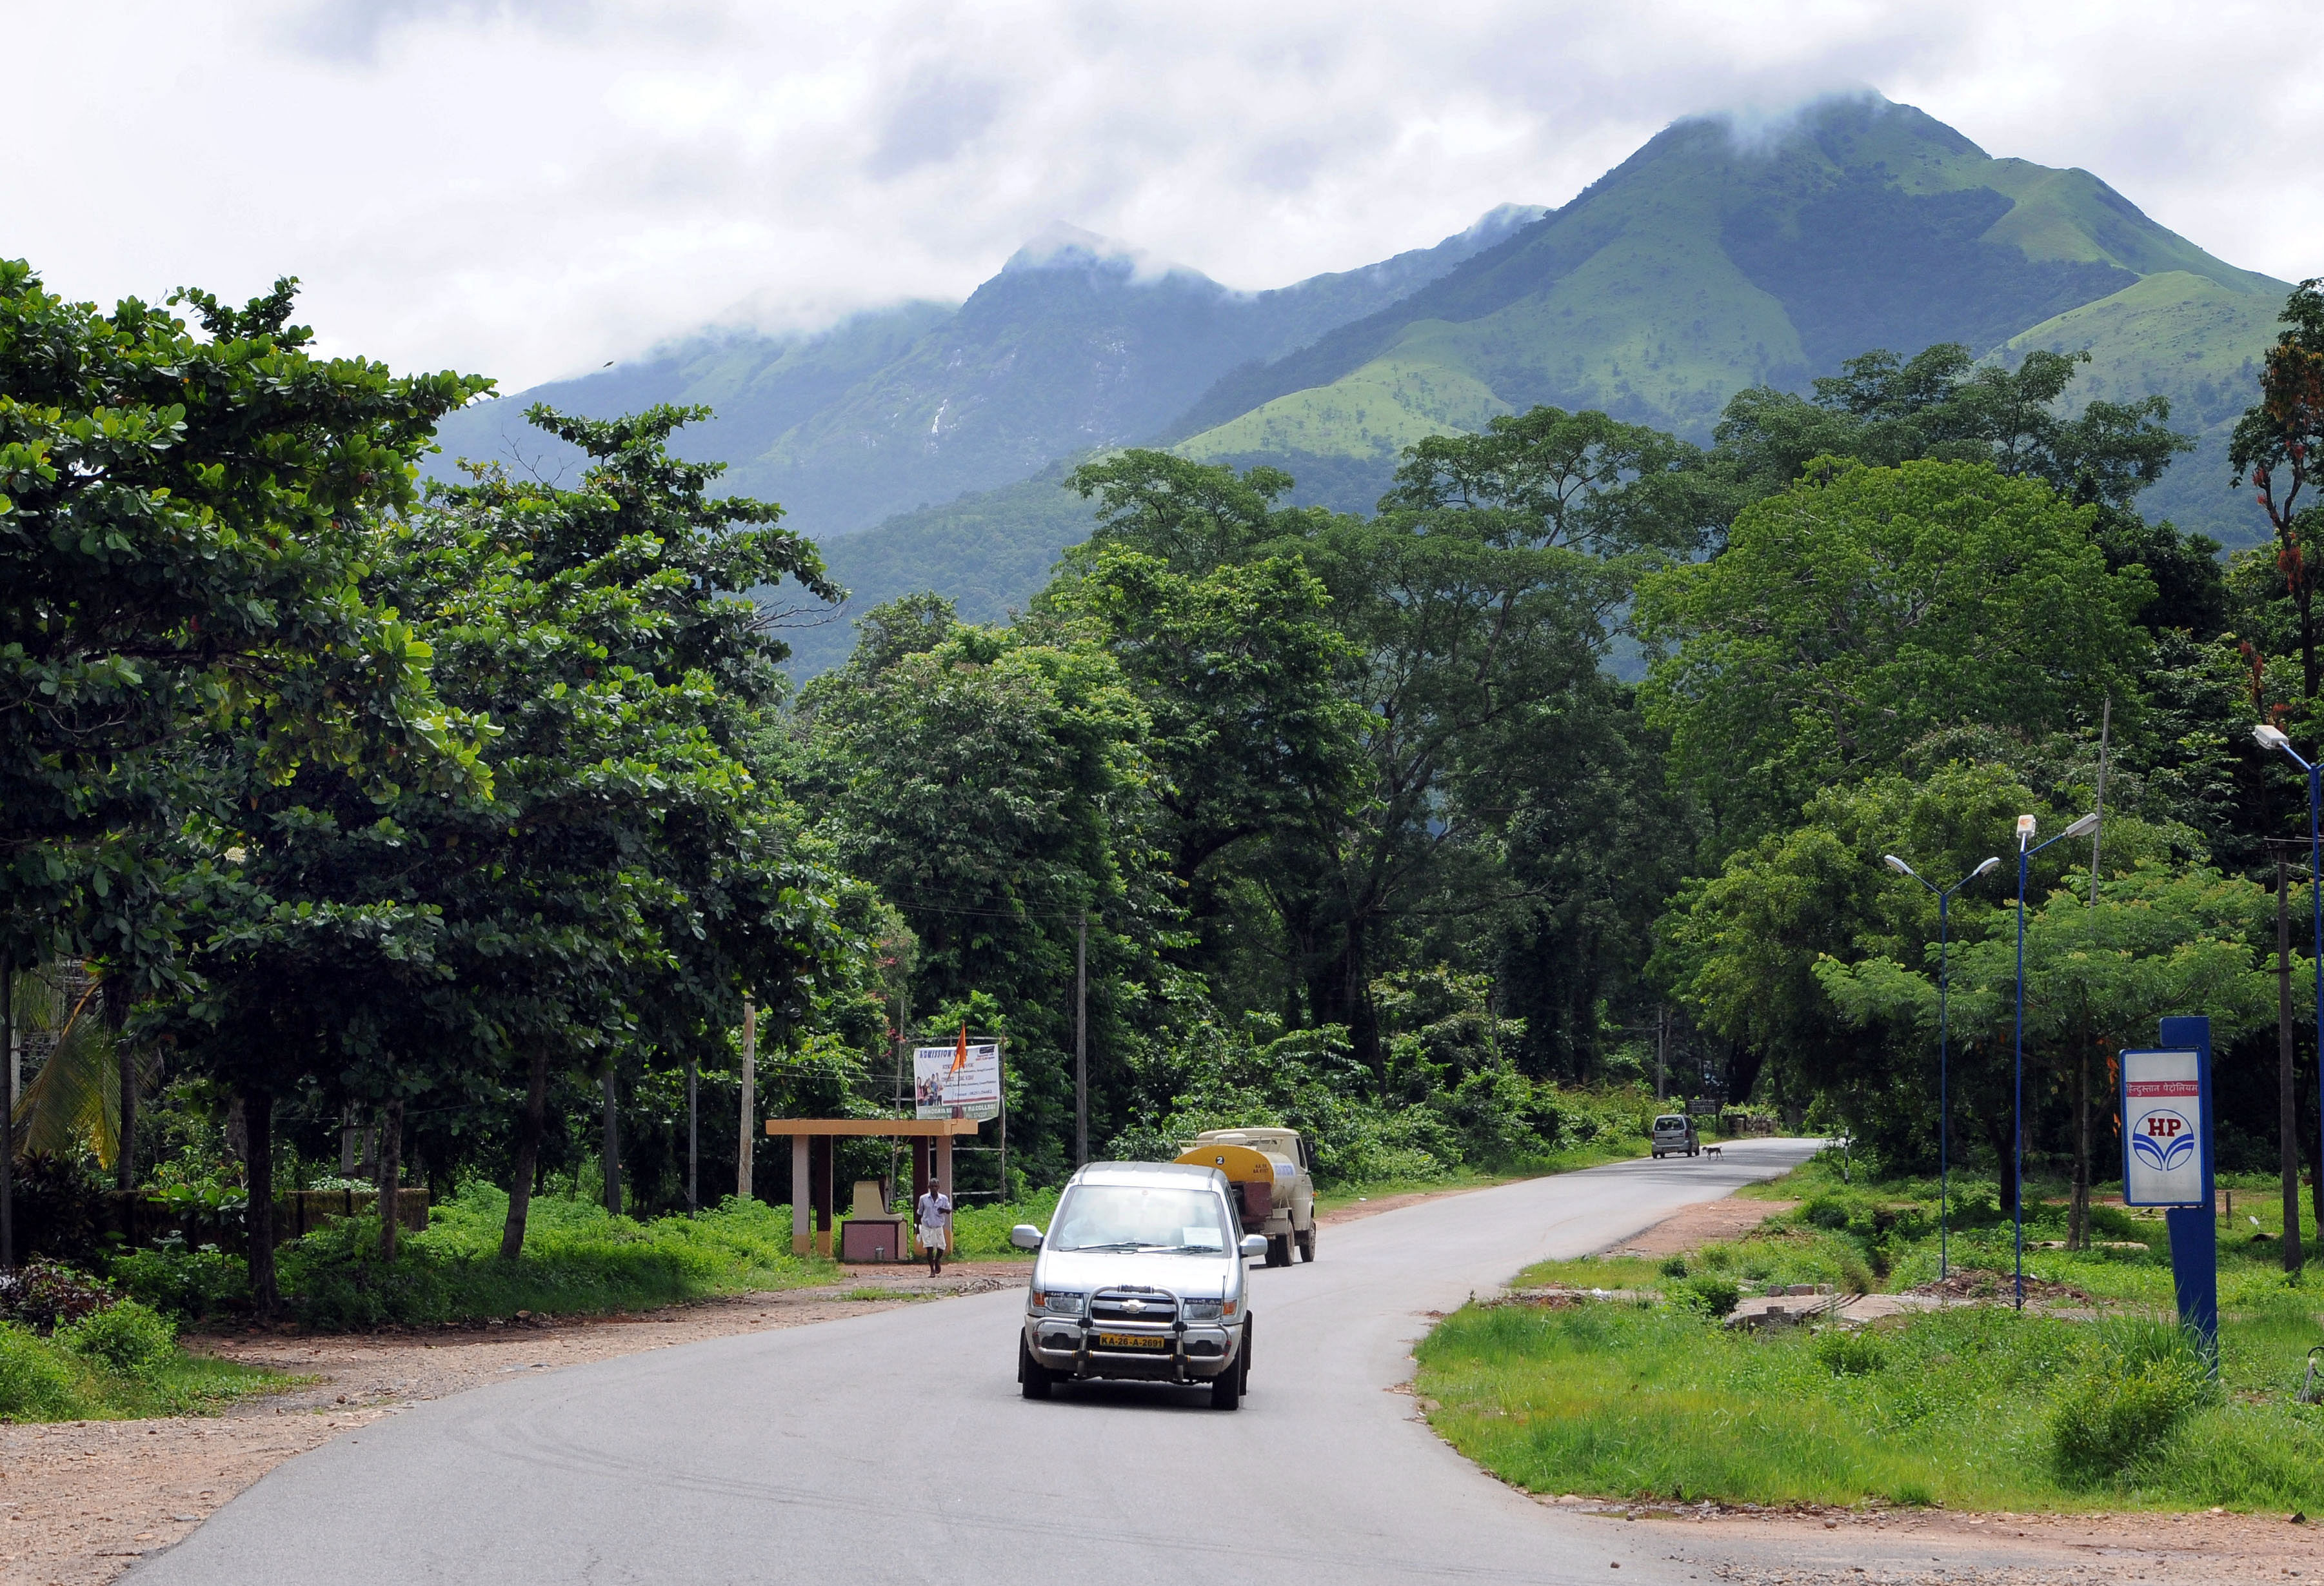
{"points": [[934, 1214]]}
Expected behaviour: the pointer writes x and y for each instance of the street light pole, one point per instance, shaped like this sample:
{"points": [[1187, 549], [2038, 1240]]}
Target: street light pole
{"points": [[2273, 737], [2081, 828], [1944, 1072]]}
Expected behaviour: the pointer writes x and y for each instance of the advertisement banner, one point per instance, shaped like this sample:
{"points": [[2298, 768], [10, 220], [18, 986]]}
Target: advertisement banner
{"points": [[959, 1081], [2163, 1129]]}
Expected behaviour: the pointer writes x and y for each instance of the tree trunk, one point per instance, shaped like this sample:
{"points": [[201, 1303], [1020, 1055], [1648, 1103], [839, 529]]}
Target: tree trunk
{"points": [[612, 1149], [258, 1133], [693, 1140], [529, 1131], [124, 1153], [2078, 1232], [2305, 596], [1996, 1134], [8, 1113], [390, 1178]]}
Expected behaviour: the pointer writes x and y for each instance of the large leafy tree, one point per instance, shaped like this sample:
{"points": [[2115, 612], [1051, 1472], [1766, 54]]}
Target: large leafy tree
{"points": [[181, 526], [2274, 449], [995, 785], [623, 879], [1865, 608], [2158, 939], [1942, 404], [180, 534]]}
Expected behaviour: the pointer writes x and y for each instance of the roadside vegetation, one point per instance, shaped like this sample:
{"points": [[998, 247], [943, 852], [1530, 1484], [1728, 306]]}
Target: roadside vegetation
{"points": [[75, 1350], [2092, 1398]]}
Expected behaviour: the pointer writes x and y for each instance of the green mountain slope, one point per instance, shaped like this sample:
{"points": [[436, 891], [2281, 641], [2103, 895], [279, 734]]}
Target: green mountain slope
{"points": [[1077, 342], [760, 385], [1703, 264]]}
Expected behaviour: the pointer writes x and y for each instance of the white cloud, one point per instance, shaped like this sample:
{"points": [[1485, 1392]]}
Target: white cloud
{"points": [[527, 188]]}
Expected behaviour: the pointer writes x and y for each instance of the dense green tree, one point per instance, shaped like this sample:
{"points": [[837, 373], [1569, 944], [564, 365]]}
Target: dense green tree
{"points": [[2274, 449], [996, 787], [1865, 608], [2159, 939]]}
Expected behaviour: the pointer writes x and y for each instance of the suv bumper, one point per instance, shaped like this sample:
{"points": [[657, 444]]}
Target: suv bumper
{"points": [[1196, 1352]]}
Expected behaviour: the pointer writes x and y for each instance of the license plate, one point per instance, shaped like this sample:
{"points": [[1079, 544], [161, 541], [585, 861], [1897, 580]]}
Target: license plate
{"points": [[1131, 1341]]}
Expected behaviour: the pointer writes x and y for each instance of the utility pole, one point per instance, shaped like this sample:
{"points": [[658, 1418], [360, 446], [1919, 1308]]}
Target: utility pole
{"points": [[1662, 1054], [693, 1137], [742, 1185], [2287, 1110], [2078, 1214], [1080, 1041]]}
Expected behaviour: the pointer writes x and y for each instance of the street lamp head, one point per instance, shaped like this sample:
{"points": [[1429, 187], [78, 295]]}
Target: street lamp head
{"points": [[2270, 736], [1988, 864], [2024, 831], [1897, 864], [2082, 827]]}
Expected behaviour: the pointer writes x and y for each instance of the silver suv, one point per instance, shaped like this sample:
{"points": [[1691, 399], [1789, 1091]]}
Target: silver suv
{"points": [[1140, 1276]]}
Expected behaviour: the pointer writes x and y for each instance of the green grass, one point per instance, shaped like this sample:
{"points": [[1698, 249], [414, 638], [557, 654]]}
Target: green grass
{"points": [[41, 1379], [1974, 1406], [1961, 1408]]}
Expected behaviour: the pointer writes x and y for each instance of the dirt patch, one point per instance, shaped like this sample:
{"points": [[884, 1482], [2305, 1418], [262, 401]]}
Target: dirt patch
{"points": [[82, 1500], [1705, 1222], [1909, 1547], [1975, 1283]]}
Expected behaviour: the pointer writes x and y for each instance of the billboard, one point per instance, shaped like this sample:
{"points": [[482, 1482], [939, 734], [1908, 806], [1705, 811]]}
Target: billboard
{"points": [[959, 1081], [2163, 1129]]}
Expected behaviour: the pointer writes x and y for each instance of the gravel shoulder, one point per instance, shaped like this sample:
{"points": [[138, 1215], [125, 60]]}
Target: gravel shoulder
{"points": [[82, 1500]]}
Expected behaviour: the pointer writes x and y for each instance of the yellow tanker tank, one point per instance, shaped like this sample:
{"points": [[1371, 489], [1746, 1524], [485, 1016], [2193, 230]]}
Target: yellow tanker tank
{"points": [[1247, 1170]]}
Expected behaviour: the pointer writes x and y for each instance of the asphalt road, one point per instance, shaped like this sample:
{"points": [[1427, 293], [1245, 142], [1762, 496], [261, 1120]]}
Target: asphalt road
{"points": [[893, 1447]]}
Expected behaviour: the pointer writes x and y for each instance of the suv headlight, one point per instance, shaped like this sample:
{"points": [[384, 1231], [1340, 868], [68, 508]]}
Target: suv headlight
{"points": [[1203, 1310], [1058, 1304]]}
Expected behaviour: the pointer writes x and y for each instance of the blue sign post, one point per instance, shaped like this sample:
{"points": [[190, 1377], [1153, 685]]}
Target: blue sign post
{"points": [[2166, 1162]]}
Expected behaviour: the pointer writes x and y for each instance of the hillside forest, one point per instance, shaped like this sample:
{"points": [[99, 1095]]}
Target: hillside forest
{"points": [[440, 833]]}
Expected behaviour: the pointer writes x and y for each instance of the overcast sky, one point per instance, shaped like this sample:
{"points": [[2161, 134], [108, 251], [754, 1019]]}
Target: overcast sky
{"points": [[530, 188]]}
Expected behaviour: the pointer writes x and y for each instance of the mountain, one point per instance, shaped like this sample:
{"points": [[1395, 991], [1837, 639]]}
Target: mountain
{"points": [[926, 445], [1707, 263], [1078, 343]]}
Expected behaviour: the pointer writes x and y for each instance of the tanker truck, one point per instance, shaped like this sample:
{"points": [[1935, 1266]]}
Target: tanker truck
{"points": [[1268, 1173]]}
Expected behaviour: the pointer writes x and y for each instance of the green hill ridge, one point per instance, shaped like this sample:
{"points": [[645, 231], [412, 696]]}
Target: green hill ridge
{"points": [[925, 445]]}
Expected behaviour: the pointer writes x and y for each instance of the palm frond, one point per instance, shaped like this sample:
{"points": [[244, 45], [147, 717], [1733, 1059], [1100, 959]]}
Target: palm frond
{"points": [[74, 1102]]}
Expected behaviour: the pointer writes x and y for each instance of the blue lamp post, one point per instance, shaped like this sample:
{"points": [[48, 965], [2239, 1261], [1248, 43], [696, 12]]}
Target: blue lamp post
{"points": [[2272, 737], [2026, 849], [1944, 1080]]}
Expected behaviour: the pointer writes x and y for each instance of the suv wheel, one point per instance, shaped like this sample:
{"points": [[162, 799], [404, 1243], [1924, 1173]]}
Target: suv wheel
{"points": [[1034, 1376], [1226, 1388]]}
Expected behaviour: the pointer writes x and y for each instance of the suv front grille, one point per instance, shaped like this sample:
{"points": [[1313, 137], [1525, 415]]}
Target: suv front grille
{"points": [[1137, 1307]]}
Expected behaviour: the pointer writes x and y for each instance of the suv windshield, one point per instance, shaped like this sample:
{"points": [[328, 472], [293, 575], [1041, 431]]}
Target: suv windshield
{"points": [[1120, 1216]]}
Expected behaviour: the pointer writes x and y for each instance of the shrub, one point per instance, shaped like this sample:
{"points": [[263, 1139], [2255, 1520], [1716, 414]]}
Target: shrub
{"points": [[126, 1336], [35, 1385], [2128, 1408], [192, 1285], [334, 1281], [1709, 1293], [1674, 1266], [44, 1294], [59, 1207], [1849, 1353]]}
